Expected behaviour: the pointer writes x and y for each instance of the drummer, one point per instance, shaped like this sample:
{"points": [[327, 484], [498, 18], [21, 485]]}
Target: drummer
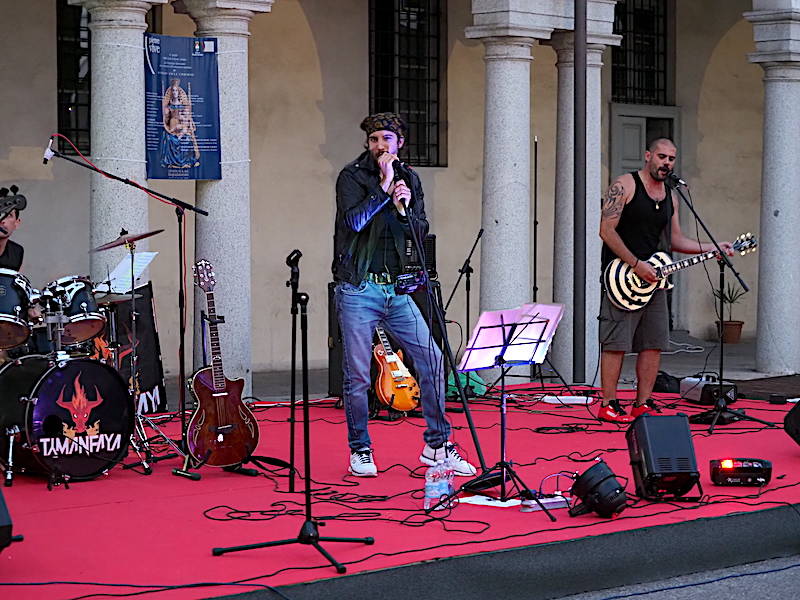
{"points": [[10, 251], [11, 254]]}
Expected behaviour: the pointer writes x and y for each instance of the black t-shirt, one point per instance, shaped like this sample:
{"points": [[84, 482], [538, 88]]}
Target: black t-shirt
{"points": [[11, 258], [644, 224]]}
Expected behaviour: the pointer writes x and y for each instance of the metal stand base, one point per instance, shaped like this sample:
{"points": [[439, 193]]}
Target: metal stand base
{"points": [[309, 535]]}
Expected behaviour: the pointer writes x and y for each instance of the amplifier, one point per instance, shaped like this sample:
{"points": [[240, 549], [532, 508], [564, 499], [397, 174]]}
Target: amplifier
{"points": [[706, 390], [740, 471]]}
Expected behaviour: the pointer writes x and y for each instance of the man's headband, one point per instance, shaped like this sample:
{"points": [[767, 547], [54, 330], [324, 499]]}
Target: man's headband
{"points": [[385, 121]]}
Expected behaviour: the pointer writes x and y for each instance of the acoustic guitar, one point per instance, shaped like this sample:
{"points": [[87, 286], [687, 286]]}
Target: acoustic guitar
{"points": [[628, 291], [394, 386], [222, 431]]}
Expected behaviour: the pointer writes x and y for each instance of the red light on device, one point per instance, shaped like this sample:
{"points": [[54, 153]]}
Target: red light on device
{"points": [[726, 463]]}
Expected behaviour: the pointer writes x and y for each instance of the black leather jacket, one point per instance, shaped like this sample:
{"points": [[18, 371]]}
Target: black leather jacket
{"points": [[360, 204]]}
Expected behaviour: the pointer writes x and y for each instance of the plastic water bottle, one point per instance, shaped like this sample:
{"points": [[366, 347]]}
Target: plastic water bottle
{"points": [[433, 478], [449, 473]]}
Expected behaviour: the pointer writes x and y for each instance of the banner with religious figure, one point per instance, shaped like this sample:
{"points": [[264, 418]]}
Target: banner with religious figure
{"points": [[181, 107]]}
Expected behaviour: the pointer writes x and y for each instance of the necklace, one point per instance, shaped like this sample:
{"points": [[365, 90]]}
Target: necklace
{"points": [[658, 203]]}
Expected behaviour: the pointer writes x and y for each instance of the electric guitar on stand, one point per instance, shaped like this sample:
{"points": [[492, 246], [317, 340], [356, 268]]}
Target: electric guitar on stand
{"points": [[395, 386], [628, 291], [222, 431]]}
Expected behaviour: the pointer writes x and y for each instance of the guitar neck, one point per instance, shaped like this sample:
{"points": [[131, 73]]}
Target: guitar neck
{"points": [[216, 352], [686, 262], [387, 348]]}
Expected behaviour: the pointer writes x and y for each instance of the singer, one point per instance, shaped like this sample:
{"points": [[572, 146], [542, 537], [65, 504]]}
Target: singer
{"points": [[377, 203], [640, 217]]}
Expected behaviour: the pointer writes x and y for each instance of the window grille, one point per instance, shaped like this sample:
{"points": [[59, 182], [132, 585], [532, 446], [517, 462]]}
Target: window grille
{"points": [[407, 72], [640, 65]]}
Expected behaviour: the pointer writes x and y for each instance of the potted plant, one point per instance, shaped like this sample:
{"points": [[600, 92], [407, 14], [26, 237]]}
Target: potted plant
{"points": [[731, 330]]}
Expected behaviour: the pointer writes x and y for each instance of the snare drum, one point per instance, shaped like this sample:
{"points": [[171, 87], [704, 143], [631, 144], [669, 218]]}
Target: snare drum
{"points": [[77, 300], [75, 417], [15, 298]]}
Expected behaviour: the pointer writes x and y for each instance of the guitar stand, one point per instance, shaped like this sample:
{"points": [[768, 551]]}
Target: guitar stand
{"points": [[309, 531]]}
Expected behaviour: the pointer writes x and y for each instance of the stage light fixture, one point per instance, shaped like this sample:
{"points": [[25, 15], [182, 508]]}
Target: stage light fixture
{"points": [[598, 490]]}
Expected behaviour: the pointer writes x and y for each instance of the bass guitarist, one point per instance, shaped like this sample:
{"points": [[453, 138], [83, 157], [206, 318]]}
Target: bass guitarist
{"points": [[640, 217]]}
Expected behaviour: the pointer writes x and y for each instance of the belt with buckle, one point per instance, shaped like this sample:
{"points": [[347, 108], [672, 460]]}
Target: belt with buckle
{"points": [[380, 278]]}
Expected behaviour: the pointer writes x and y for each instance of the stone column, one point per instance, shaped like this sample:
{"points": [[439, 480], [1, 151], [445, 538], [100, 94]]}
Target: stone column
{"points": [[117, 125], [563, 259], [223, 237], [776, 31], [505, 280]]}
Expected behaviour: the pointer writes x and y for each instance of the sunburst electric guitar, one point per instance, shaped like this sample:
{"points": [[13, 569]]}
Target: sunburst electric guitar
{"points": [[395, 386], [628, 291], [222, 431]]}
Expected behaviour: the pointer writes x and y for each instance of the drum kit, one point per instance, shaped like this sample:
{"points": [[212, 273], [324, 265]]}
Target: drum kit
{"points": [[65, 412]]}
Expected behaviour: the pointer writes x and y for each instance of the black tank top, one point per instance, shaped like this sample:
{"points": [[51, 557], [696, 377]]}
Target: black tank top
{"points": [[643, 224]]}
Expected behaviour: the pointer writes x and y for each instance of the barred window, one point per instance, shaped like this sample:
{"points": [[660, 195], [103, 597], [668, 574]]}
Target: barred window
{"points": [[74, 73], [407, 50], [641, 65], [74, 76]]}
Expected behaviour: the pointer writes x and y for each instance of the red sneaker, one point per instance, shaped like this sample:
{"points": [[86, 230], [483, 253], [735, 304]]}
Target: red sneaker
{"points": [[613, 414], [649, 407]]}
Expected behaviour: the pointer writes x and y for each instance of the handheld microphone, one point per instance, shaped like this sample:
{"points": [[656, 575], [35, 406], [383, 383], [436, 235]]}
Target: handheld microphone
{"points": [[672, 176], [398, 168], [48, 152]]}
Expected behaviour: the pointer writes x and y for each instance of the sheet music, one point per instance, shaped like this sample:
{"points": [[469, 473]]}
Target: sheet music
{"points": [[120, 277]]}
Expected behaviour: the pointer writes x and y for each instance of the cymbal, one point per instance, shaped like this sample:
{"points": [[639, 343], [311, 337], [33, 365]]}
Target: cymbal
{"points": [[115, 298], [125, 238]]}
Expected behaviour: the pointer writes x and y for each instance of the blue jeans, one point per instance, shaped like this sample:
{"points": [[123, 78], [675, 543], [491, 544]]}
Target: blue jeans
{"points": [[360, 309]]}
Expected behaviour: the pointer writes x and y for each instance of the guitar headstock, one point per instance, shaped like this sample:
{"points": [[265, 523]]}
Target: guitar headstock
{"points": [[204, 275], [745, 243]]}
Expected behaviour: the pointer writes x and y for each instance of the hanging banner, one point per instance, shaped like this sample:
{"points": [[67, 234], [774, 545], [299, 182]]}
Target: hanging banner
{"points": [[181, 107]]}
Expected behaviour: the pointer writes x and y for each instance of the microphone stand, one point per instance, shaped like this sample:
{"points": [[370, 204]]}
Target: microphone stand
{"points": [[437, 314], [721, 405], [292, 261], [465, 270], [180, 208]]}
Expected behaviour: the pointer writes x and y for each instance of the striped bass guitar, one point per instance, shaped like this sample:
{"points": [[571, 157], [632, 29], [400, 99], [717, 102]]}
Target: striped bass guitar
{"points": [[628, 291]]}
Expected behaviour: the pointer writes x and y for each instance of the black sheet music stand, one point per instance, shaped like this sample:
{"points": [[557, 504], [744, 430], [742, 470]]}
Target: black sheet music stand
{"points": [[506, 339]]}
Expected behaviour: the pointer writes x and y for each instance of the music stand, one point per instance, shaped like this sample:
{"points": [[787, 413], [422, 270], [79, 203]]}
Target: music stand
{"points": [[505, 339]]}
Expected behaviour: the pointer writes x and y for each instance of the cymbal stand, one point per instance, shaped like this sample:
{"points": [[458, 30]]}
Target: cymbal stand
{"points": [[140, 442]]}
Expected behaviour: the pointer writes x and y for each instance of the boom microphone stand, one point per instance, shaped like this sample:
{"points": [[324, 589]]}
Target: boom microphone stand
{"points": [[309, 531], [180, 208], [721, 405]]}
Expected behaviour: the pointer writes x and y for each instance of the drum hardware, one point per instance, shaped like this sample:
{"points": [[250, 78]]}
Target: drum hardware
{"points": [[140, 442]]}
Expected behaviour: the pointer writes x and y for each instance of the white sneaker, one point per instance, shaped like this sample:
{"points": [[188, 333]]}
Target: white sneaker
{"points": [[461, 467], [362, 464]]}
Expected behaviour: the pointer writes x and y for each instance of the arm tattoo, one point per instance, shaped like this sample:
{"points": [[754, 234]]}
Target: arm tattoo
{"points": [[614, 201]]}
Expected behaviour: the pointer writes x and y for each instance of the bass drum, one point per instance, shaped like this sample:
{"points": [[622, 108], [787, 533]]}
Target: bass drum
{"points": [[75, 417]]}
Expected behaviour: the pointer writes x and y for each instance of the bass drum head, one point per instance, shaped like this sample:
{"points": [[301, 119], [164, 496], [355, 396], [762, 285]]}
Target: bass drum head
{"points": [[82, 419]]}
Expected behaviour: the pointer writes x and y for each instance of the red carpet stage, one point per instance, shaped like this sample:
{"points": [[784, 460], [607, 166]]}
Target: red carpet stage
{"points": [[125, 533]]}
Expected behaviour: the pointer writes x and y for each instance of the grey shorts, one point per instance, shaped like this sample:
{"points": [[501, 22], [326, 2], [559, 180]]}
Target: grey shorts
{"points": [[634, 331]]}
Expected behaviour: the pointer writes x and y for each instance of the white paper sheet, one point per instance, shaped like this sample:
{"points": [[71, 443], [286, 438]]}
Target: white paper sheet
{"points": [[120, 277]]}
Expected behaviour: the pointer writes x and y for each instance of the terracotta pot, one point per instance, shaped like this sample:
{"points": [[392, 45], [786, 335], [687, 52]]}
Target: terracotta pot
{"points": [[731, 331]]}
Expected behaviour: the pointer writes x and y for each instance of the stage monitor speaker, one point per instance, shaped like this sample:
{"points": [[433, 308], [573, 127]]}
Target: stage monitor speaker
{"points": [[791, 423], [662, 456], [5, 523], [420, 298]]}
